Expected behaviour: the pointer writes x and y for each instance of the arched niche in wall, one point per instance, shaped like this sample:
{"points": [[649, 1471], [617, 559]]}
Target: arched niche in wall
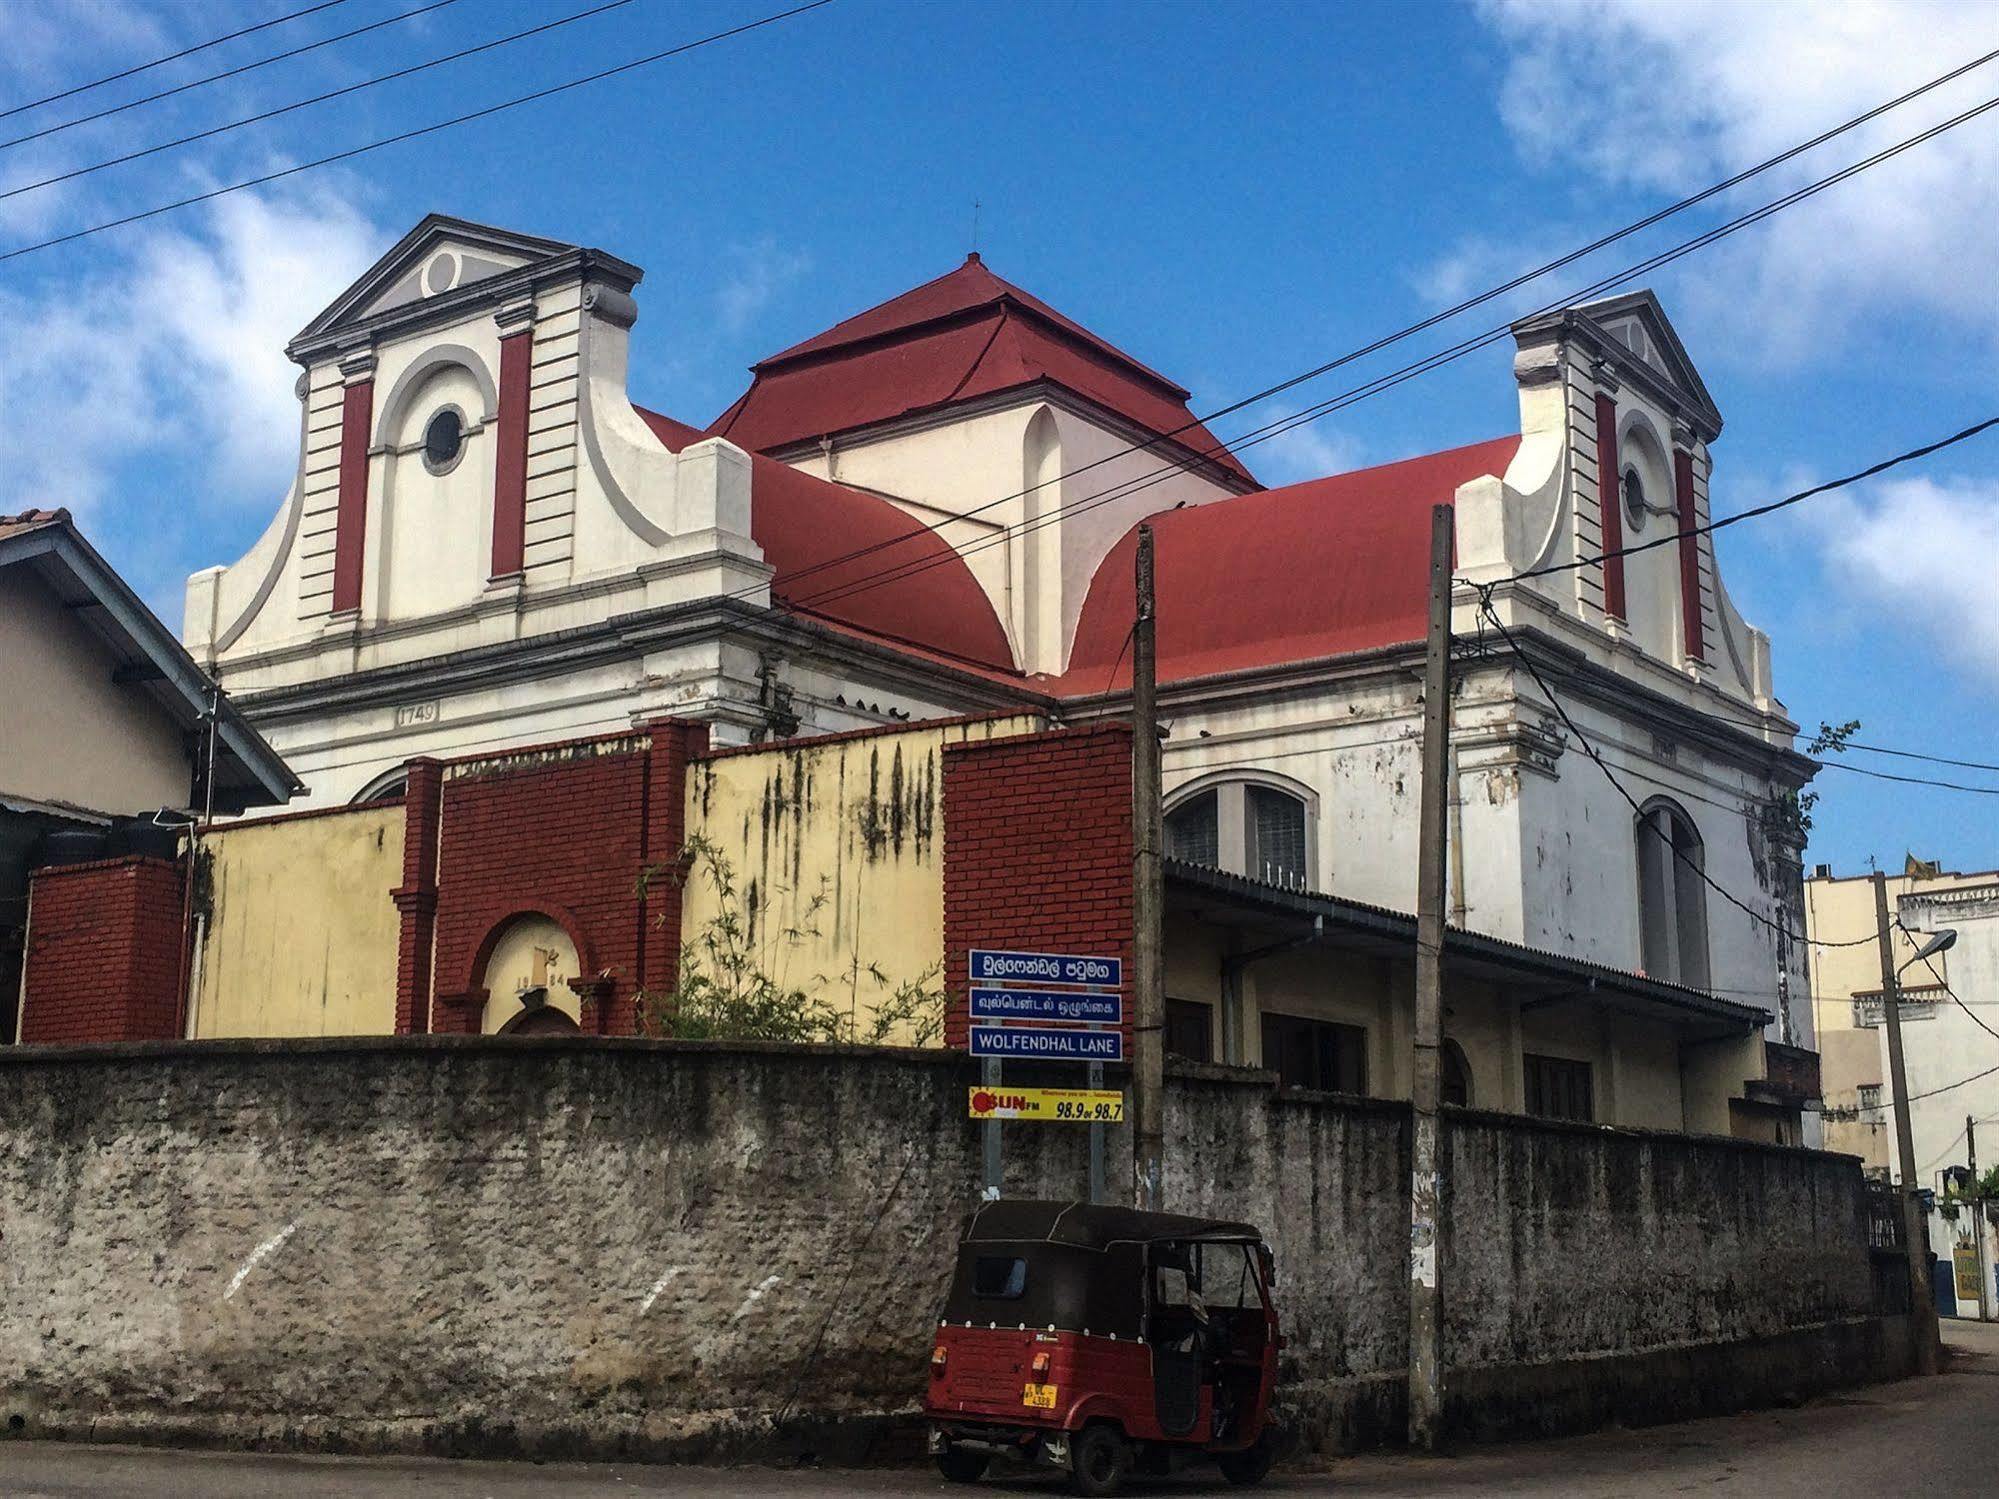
{"points": [[1647, 513], [435, 498], [527, 973]]}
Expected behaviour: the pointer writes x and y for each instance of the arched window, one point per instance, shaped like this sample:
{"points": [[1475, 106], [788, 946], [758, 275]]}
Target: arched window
{"points": [[387, 787], [1672, 896], [1634, 498], [1251, 827], [1455, 1080]]}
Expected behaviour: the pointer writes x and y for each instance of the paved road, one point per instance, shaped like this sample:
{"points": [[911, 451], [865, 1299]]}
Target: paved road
{"points": [[1918, 1437]]}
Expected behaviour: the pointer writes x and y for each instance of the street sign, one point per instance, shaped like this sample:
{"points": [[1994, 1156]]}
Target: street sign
{"points": [[997, 967], [1053, 1105], [1047, 1043], [1047, 1004]]}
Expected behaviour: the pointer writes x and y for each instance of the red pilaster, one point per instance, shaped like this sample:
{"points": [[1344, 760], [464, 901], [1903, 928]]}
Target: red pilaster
{"points": [[1690, 556], [510, 456], [676, 744], [103, 958], [1609, 508], [416, 897], [357, 413], [1068, 890]]}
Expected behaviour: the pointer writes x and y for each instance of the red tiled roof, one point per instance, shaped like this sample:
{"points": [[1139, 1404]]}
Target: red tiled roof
{"points": [[802, 522], [965, 335], [31, 520], [1318, 569]]}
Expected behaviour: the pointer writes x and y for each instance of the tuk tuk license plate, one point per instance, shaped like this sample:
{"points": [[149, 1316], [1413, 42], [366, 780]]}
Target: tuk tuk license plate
{"points": [[1040, 1396]]}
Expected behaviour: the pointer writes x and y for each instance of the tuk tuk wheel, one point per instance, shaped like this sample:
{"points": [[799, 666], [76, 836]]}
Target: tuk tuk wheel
{"points": [[958, 1465], [1251, 1465], [1099, 1457]]}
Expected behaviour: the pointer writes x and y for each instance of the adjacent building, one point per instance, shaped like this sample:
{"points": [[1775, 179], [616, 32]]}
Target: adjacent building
{"points": [[111, 740]]}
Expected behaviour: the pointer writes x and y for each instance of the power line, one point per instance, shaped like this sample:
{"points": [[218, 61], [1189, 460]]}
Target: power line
{"points": [[902, 571], [1948, 1087], [235, 72], [170, 57], [1412, 329], [1485, 604], [1882, 775], [1947, 988], [422, 130], [1876, 749], [298, 104], [1759, 510]]}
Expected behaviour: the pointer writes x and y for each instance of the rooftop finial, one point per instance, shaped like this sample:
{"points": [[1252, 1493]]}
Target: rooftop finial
{"points": [[972, 255]]}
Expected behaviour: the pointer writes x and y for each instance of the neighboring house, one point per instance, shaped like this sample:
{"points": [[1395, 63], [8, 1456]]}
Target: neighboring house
{"points": [[1846, 1002], [929, 509], [104, 743]]}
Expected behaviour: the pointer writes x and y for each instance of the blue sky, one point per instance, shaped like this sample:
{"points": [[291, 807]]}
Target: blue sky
{"points": [[1229, 191]]}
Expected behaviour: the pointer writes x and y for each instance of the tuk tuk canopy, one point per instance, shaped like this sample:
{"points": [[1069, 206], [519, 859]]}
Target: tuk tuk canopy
{"points": [[1068, 1265]]}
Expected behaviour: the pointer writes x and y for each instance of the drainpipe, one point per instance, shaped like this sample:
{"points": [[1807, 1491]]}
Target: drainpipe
{"points": [[1234, 1037]]}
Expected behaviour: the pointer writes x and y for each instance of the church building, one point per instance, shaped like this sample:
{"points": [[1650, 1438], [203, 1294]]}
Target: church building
{"points": [[928, 510]]}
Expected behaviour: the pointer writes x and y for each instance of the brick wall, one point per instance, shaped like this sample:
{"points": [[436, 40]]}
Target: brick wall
{"points": [[104, 952], [1037, 850], [560, 831]]}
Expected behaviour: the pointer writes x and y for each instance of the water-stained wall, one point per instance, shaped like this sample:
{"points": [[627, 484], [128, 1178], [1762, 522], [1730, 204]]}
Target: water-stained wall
{"points": [[830, 854], [296, 925]]}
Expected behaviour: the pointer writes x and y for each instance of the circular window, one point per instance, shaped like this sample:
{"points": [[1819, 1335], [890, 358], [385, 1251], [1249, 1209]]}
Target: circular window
{"points": [[1634, 498], [444, 440]]}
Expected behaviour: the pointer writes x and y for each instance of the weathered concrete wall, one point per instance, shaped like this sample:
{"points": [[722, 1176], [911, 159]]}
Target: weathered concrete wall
{"points": [[835, 849], [568, 1244]]}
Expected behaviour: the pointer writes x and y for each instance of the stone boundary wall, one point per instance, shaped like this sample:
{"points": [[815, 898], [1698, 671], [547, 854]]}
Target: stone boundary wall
{"points": [[566, 1246]]}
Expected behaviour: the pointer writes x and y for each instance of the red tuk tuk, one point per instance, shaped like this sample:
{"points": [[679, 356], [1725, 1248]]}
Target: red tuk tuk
{"points": [[1099, 1340]]}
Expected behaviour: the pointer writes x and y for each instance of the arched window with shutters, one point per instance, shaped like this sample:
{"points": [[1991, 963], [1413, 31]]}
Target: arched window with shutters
{"points": [[1256, 825], [1672, 895]]}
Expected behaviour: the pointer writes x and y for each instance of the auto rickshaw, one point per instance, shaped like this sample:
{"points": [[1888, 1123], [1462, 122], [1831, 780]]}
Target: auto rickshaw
{"points": [[1103, 1340]]}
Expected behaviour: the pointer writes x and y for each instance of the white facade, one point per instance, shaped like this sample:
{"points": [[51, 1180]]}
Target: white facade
{"points": [[642, 591]]}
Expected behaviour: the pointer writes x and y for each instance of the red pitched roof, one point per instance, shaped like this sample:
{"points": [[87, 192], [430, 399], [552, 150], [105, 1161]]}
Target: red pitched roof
{"points": [[31, 520], [965, 335], [1318, 569], [802, 523]]}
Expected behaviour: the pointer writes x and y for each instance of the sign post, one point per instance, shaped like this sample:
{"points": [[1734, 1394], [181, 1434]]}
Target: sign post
{"points": [[1049, 1007]]}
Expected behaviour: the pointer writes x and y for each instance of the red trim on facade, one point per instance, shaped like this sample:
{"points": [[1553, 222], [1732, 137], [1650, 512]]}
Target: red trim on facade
{"points": [[1690, 557], [103, 961], [357, 414], [1067, 890], [510, 456], [1608, 487], [416, 897]]}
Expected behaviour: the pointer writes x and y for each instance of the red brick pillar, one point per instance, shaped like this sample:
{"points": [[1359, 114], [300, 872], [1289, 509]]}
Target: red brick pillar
{"points": [[1037, 851], [416, 897], [676, 744], [104, 948]]}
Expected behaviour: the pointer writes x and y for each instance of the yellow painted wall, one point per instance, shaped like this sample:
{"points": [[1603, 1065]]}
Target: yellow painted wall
{"points": [[301, 933], [836, 851]]}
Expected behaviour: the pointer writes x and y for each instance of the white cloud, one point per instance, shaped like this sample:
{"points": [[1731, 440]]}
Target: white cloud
{"points": [[1667, 95], [170, 349], [1309, 452], [1922, 553], [761, 271]]}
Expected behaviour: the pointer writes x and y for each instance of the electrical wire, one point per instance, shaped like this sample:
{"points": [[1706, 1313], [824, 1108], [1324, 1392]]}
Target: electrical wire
{"points": [[1875, 749], [420, 131], [170, 57], [1882, 775], [1490, 294], [1485, 604], [297, 104], [1948, 1087], [235, 72], [1759, 510], [900, 572]]}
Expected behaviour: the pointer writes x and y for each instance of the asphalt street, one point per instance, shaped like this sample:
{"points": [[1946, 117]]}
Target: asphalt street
{"points": [[1917, 1437]]}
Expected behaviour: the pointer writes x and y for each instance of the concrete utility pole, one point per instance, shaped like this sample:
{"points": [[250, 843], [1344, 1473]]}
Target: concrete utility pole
{"points": [[1915, 1230], [1148, 903], [1426, 1373]]}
